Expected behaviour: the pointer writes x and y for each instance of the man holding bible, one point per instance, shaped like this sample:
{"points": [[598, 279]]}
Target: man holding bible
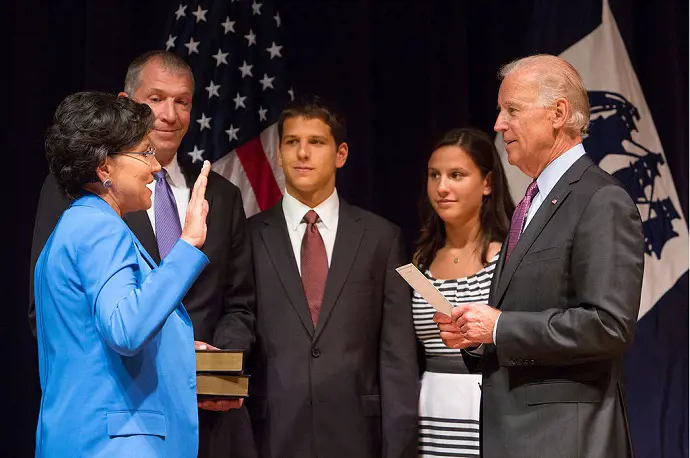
{"points": [[564, 299]]}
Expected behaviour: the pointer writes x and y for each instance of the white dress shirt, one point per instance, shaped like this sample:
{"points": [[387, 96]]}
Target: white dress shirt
{"points": [[328, 212], [546, 181], [548, 178], [180, 191]]}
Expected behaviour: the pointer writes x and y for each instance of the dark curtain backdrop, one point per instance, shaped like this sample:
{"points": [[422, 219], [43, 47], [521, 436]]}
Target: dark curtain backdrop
{"points": [[402, 72]]}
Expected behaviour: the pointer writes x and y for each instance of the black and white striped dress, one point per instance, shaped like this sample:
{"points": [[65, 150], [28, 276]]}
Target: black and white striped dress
{"points": [[450, 397]]}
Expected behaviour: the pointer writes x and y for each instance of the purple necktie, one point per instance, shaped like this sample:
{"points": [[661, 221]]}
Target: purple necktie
{"points": [[519, 216], [314, 265], [168, 228]]}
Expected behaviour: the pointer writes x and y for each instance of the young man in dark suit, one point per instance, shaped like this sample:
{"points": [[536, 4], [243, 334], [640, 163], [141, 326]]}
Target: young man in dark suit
{"points": [[221, 301], [334, 369], [567, 286]]}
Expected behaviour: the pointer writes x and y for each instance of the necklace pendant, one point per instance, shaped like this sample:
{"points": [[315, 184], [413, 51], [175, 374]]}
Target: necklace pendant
{"points": [[455, 260]]}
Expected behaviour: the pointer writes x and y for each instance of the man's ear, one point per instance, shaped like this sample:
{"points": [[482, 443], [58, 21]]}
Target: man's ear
{"points": [[280, 154], [561, 113], [123, 94], [341, 155]]}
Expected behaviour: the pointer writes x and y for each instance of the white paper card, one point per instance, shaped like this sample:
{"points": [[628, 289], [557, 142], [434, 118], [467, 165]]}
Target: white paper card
{"points": [[425, 288]]}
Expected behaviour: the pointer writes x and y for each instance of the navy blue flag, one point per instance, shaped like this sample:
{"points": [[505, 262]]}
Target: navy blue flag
{"points": [[236, 54], [623, 140]]}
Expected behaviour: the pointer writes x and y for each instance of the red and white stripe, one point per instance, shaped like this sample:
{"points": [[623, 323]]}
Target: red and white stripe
{"points": [[253, 167]]}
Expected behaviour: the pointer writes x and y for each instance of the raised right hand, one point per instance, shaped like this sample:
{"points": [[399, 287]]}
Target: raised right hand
{"points": [[194, 230]]}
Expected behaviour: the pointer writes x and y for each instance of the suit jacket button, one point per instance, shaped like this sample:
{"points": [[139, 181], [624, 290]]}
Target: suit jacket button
{"points": [[315, 352]]}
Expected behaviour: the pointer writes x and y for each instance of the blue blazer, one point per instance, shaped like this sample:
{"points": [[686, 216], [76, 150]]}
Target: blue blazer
{"points": [[115, 344]]}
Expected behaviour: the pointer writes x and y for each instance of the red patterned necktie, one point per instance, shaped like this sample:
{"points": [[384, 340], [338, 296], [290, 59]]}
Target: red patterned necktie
{"points": [[314, 265], [518, 220]]}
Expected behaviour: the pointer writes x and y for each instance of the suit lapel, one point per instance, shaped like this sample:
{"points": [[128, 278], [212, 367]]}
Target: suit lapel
{"points": [[497, 272], [548, 208], [275, 236], [140, 224], [347, 240], [147, 257], [152, 264]]}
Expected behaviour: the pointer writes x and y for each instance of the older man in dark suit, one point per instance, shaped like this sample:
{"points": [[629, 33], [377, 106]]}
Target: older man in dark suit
{"points": [[334, 369], [566, 298], [221, 301]]}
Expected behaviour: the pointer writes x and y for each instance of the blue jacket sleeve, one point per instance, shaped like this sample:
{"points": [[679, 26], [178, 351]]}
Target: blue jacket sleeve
{"points": [[128, 305]]}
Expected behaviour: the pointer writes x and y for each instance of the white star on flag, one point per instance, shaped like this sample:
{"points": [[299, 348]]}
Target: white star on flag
{"points": [[239, 101], [170, 43], [197, 154], [274, 50], [266, 82], [200, 14], [246, 69], [192, 46], [228, 25], [240, 69], [204, 122], [220, 57], [232, 133], [180, 12], [213, 90], [251, 38]]}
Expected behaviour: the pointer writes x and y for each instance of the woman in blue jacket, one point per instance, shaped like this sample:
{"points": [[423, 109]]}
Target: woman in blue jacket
{"points": [[115, 344]]}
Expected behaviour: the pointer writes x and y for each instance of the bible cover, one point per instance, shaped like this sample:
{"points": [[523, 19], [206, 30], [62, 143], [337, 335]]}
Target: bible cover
{"points": [[220, 386], [219, 361]]}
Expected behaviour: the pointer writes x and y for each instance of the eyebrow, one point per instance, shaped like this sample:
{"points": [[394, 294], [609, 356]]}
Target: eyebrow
{"points": [[452, 169], [291, 136], [155, 90]]}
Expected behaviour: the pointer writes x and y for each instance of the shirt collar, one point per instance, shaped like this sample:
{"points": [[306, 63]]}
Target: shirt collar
{"points": [[327, 210], [175, 175], [553, 172]]}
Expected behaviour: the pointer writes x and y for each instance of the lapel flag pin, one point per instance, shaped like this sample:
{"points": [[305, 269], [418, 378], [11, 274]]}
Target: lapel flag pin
{"points": [[554, 201]]}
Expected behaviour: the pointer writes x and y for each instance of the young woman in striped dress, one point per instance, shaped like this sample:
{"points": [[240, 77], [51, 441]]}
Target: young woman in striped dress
{"points": [[465, 218]]}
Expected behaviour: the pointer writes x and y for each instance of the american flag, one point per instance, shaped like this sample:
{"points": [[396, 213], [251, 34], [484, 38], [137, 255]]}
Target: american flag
{"points": [[238, 61]]}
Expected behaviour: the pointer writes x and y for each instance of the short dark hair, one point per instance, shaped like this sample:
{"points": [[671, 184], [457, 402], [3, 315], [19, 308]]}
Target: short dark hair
{"points": [[169, 61], [314, 107], [88, 126], [497, 208]]}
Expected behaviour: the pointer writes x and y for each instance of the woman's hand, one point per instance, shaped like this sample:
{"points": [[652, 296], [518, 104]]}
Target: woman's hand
{"points": [[194, 230]]}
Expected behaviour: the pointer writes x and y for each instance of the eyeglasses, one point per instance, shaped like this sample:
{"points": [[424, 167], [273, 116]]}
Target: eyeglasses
{"points": [[150, 151]]}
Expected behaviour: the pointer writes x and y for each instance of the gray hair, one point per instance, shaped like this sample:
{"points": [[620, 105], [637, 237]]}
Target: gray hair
{"points": [[169, 61], [556, 78]]}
